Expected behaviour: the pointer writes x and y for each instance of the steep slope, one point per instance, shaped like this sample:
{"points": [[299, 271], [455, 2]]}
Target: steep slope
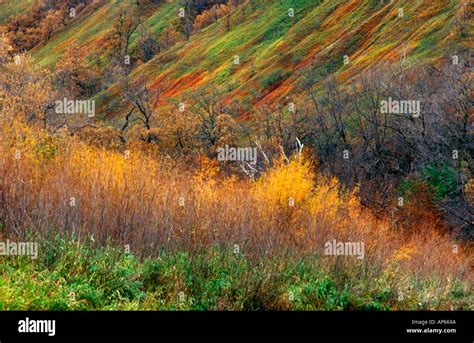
{"points": [[274, 42]]}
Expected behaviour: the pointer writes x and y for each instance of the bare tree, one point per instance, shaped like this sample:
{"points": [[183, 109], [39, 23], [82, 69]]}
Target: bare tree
{"points": [[143, 103]]}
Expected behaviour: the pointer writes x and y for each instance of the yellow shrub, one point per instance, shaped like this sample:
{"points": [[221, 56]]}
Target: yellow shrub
{"points": [[286, 184]]}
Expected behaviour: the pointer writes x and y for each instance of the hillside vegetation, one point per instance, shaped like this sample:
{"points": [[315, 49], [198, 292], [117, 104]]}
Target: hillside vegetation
{"points": [[208, 241], [274, 41], [217, 154]]}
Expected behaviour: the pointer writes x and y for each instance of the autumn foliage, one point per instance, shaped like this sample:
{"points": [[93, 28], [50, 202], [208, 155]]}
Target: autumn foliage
{"points": [[53, 183], [173, 89]]}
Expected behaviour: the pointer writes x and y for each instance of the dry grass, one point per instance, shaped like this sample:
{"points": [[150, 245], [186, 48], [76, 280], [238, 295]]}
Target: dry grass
{"points": [[154, 203]]}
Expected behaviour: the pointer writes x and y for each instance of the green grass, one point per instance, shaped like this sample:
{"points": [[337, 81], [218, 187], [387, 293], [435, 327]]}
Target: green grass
{"points": [[13, 7], [72, 276]]}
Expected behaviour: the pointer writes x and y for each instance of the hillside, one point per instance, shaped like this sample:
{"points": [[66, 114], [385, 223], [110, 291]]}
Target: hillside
{"points": [[236, 155], [274, 42]]}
